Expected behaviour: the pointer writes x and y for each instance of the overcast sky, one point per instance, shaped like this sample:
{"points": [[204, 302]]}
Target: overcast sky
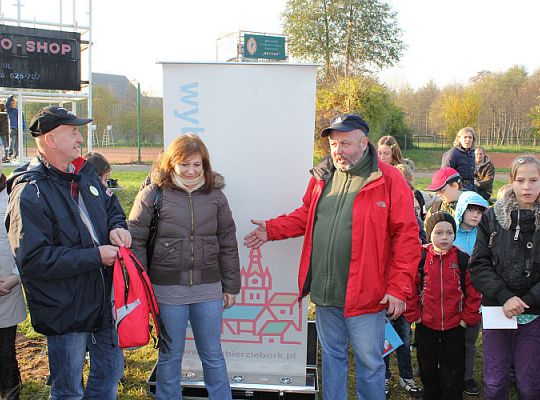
{"points": [[447, 40]]}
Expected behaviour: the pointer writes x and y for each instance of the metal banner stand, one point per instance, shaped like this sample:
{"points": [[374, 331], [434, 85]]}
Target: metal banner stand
{"points": [[250, 387]]}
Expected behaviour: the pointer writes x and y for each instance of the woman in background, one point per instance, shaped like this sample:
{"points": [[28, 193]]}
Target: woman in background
{"points": [[461, 157], [389, 151]]}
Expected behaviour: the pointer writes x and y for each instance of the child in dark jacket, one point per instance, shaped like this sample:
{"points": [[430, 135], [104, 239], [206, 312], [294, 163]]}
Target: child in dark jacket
{"points": [[442, 310], [505, 268]]}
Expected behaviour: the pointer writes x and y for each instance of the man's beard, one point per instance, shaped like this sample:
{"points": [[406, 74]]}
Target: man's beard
{"points": [[351, 162]]}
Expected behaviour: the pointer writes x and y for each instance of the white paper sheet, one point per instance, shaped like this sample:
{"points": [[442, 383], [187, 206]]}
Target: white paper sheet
{"points": [[494, 318]]}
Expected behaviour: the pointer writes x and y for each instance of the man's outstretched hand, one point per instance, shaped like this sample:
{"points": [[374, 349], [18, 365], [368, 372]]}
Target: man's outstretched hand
{"points": [[258, 237]]}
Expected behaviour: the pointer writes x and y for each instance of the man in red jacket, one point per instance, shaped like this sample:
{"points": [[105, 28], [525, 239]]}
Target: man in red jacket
{"points": [[360, 254]]}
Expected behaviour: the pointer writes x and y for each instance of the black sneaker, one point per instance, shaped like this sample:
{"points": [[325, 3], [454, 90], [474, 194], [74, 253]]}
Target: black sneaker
{"points": [[471, 388]]}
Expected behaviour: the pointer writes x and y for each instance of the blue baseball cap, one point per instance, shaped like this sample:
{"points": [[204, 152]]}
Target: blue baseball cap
{"points": [[346, 123]]}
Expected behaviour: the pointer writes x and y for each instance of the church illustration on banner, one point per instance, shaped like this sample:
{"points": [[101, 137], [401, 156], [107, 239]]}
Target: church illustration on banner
{"points": [[260, 315]]}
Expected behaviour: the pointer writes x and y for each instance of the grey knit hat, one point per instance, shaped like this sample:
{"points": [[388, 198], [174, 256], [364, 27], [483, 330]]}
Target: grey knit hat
{"points": [[437, 217]]}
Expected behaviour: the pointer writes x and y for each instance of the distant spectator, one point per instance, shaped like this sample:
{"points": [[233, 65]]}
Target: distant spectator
{"points": [[13, 113], [388, 150], [461, 157], [484, 173], [4, 128], [102, 166]]}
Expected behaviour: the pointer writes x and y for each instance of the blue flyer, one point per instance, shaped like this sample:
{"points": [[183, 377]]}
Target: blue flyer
{"points": [[391, 339]]}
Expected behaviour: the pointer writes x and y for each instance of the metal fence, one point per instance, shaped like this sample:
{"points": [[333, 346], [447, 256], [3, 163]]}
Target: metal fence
{"points": [[441, 142]]}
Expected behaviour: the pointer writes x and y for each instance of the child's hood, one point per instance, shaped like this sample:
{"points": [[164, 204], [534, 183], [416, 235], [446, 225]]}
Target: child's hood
{"points": [[465, 199]]}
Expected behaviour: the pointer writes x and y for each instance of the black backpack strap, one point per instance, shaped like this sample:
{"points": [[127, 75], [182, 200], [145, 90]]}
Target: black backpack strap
{"points": [[152, 231], [421, 270], [463, 264], [421, 202], [158, 202]]}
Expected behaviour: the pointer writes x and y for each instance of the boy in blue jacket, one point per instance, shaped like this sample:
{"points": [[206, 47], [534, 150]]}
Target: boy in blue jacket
{"points": [[469, 210]]}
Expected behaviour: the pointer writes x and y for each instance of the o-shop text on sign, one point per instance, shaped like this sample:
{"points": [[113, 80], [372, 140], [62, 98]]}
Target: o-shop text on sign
{"points": [[35, 46]]}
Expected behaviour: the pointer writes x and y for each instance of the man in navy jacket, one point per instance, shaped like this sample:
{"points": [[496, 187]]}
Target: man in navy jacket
{"points": [[64, 230]]}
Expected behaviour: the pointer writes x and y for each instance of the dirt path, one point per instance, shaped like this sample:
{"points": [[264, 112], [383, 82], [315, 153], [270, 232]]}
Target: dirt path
{"points": [[32, 356], [118, 155], [503, 160], [429, 174]]}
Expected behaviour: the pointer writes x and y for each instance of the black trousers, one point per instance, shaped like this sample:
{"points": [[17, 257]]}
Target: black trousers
{"points": [[10, 378], [441, 358]]}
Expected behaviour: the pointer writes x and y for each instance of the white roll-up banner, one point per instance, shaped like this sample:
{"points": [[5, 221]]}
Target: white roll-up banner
{"points": [[257, 121]]}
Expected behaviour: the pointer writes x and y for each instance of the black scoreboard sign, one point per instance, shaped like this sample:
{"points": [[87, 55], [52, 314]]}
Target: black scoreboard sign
{"points": [[39, 58]]}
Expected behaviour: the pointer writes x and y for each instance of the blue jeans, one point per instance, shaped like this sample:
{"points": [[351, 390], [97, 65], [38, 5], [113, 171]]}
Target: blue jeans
{"points": [[403, 352], [205, 319], [365, 333], [13, 149], [66, 361]]}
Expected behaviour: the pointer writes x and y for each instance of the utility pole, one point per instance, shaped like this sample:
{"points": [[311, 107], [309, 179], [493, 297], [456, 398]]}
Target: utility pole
{"points": [[139, 122]]}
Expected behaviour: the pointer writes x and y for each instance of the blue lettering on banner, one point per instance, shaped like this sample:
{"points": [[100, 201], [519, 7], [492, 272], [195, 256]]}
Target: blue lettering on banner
{"points": [[190, 95]]}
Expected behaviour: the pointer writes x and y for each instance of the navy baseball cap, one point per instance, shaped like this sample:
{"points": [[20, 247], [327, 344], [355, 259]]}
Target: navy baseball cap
{"points": [[52, 117], [346, 123]]}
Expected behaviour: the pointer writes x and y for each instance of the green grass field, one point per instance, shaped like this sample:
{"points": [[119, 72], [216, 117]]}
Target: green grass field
{"points": [[140, 362]]}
